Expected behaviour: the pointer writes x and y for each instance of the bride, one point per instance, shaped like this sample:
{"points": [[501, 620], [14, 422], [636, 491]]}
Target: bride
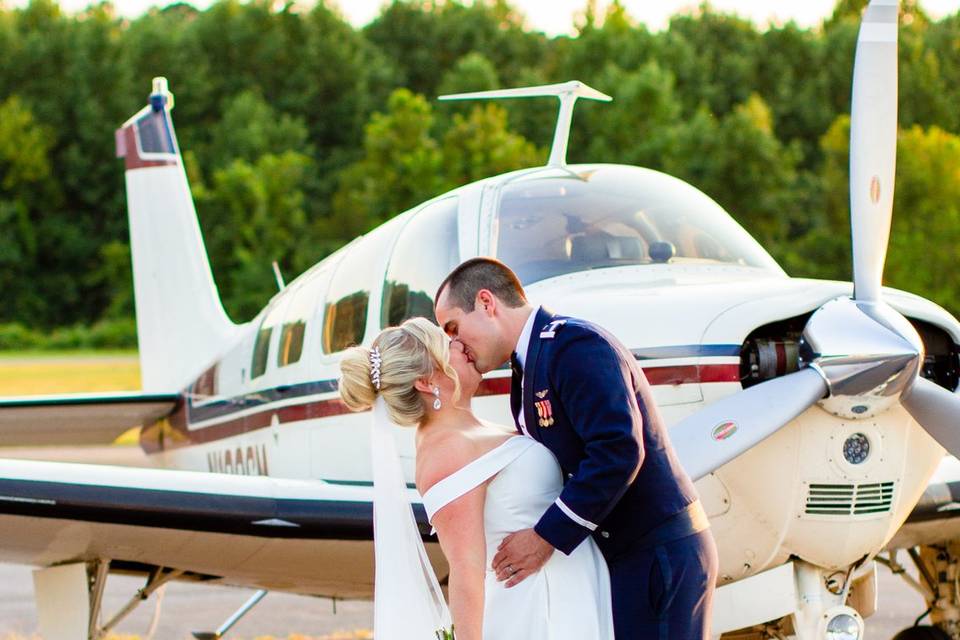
{"points": [[479, 482]]}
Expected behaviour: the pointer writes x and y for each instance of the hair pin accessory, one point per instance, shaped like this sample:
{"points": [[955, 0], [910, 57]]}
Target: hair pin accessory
{"points": [[375, 362]]}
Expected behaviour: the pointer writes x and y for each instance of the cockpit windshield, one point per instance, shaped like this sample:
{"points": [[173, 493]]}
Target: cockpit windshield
{"points": [[560, 222]]}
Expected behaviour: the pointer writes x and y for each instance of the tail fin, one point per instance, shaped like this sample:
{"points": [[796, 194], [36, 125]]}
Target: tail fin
{"points": [[181, 324]]}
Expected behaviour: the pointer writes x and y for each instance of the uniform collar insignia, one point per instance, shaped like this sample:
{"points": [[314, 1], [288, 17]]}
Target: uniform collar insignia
{"points": [[550, 330]]}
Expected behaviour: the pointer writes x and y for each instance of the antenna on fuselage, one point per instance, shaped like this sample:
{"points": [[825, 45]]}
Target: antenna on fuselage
{"points": [[566, 92], [279, 276]]}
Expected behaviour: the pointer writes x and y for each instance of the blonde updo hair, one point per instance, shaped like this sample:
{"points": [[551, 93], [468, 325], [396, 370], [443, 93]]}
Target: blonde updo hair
{"points": [[415, 349]]}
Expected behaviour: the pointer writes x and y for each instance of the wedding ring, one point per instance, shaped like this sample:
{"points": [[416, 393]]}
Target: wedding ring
{"points": [[510, 569]]}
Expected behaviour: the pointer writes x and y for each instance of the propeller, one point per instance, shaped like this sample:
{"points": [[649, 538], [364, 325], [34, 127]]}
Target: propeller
{"points": [[873, 145], [726, 428], [938, 412], [873, 153]]}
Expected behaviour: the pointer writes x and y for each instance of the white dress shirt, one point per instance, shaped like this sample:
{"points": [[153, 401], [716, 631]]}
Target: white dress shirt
{"points": [[521, 350]]}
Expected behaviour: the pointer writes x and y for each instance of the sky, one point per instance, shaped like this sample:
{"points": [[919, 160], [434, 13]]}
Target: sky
{"points": [[557, 16]]}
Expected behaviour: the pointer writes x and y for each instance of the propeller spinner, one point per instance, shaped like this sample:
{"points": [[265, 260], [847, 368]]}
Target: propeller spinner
{"points": [[861, 355]]}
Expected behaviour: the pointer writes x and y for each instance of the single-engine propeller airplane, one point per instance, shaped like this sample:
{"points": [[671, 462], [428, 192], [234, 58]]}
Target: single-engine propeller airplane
{"points": [[814, 415]]}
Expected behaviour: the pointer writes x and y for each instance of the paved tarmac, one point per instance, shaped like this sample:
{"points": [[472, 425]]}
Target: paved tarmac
{"points": [[190, 607]]}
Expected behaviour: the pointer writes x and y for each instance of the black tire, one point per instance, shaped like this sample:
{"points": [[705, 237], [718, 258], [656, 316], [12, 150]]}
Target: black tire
{"points": [[921, 633]]}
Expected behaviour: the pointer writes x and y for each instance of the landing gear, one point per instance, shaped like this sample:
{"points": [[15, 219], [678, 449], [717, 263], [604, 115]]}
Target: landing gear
{"points": [[938, 568], [69, 599], [232, 620], [921, 633], [823, 612], [798, 601]]}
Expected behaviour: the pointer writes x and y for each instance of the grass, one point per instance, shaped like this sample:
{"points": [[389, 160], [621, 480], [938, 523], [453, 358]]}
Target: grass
{"points": [[67, 354], [68, 372], [360, 634], [43, 372]]}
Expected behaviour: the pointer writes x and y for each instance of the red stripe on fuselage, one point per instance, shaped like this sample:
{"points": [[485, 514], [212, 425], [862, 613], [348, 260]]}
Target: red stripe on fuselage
{"points": [[178, 435]]}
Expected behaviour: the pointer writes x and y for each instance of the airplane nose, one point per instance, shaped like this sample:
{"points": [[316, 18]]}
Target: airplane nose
{"points": [[866, 352]]}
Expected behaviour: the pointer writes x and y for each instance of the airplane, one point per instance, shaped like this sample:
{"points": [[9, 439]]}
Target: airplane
{"points": [[814, 415]]}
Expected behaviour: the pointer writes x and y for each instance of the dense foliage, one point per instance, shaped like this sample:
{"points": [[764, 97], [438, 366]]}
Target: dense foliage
{"points": [[302, 131]]}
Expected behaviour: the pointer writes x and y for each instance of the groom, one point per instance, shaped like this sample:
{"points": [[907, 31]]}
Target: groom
{"points": [[579, 391]]}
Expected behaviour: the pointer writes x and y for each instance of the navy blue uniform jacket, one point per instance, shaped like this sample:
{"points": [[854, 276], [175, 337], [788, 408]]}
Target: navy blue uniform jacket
{"points": [[585, 398]]}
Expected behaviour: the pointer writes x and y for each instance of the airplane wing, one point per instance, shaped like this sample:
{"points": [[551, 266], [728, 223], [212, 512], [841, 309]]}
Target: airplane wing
{"points": [[301, 536], [78, 419], [936, 518]]}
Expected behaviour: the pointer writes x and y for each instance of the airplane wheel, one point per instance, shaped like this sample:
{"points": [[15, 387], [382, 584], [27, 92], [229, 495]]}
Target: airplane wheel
{"points": [[921, 633]]}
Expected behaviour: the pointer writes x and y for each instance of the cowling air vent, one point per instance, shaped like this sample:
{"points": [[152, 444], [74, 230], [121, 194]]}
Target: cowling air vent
{"points": [[849, 499]]}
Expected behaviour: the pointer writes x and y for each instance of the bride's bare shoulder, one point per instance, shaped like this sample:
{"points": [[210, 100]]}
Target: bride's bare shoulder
{"points": [[499, 428], [441, 455]]}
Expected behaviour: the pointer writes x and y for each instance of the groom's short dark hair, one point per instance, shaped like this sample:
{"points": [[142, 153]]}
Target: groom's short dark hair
{"points": [[475, 274]]}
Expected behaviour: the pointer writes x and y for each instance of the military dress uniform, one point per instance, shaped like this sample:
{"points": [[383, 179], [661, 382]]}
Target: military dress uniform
{"points": [[581, 393]]}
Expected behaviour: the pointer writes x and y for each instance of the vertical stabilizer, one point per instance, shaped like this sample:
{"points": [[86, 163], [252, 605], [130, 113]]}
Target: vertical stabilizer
{"points": [[181, 324]]}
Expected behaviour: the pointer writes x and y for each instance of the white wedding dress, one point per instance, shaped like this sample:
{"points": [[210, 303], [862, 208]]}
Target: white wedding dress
{"points": [[569, 598]]}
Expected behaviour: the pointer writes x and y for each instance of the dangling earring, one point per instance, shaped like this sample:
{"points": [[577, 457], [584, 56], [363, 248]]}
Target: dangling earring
{"points": [[436, 403]]}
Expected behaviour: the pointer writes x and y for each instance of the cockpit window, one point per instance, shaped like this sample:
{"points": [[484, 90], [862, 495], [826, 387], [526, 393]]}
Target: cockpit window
{"points": [[427, 249], [611, 216]]}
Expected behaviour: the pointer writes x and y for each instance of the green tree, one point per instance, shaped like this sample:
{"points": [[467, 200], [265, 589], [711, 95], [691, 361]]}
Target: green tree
{"points": [[401, 166], [639, 127], [481, 145], [253, 214], [926, 213], [472, 72], [274, 100], [427, 38], [943, 43], [739, 162], [250, 128], [926, 219], [25, 188], [404, 164], [714, 58], [613, 38], [791, 80]]}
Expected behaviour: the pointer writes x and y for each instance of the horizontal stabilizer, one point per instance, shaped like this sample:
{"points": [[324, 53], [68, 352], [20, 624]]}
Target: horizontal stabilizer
{"points": [[78, 419], [574, 87], [567, 92]]}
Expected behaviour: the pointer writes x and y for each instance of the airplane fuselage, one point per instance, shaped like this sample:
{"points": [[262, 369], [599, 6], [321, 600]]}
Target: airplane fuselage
{"points": [[688, 324]]}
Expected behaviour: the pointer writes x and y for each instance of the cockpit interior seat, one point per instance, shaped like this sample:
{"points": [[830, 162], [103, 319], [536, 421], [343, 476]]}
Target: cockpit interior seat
{"points": [[602, 247]]}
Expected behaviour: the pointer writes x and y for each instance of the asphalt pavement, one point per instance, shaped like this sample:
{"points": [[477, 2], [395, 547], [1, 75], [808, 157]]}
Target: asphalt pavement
{"points": [[190, 607]]}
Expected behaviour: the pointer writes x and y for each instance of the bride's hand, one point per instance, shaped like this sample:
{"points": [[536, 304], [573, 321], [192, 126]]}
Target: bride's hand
{"points": [[520, 555]]}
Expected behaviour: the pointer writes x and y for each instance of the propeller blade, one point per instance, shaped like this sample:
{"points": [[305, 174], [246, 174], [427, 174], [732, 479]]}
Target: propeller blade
{"points": [[873, 145], [937, 410], [726, 428]]}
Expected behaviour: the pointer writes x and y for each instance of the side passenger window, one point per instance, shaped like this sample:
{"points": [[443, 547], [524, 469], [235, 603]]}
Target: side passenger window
{"points": [[345, 313], [344, 321], [303, 300], [426, 251], [261, 346]]}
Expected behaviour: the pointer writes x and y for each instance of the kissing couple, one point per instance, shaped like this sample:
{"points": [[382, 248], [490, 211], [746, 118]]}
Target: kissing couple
{"points": [[576, 523]]}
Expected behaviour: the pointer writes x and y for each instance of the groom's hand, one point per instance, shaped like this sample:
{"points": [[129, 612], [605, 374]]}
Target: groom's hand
{"points": [[520, 555]]}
